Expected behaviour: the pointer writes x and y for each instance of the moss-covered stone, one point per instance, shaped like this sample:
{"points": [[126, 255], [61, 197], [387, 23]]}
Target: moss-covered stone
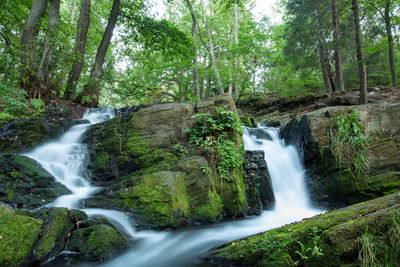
{"points": [[248, 121], [329, 239], [97, 242], [204, 200], [18, 236], [25, 184], [159, 199], [54, 234]]}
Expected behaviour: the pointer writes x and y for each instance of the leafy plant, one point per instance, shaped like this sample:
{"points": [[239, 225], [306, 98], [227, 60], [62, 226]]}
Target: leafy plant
{"points": [[312, 248], [348, 142], [214, 133]]}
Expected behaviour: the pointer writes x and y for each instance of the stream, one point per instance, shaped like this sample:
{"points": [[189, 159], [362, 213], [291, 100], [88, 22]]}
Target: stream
{"points": [[66, 160]]}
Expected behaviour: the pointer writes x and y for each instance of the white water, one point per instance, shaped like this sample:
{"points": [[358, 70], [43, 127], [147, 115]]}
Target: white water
{"points": [[64, 159]]}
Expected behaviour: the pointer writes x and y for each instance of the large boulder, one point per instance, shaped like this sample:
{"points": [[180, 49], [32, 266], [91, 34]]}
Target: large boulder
{"points": [[331, 239], [25, 184], [335, 181], [143, 157]]}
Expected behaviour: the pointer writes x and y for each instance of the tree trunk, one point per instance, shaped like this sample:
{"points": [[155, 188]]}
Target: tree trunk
{"points": [[389, 34], [236, 40], [195, 63], [47, 54], [30, 31], [74, 7], [212, 53], [80, 48], [93, 86], [324, 69], [360, 56], [338, 57], [322, 55]]}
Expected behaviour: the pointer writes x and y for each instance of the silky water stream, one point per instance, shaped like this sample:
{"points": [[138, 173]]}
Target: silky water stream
{"points": [[65, 160]]}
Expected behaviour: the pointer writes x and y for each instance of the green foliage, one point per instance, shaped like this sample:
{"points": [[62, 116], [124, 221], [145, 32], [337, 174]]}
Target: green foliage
{"points": [[348, 143], [381, 249], [214, 134], [312, 249]]}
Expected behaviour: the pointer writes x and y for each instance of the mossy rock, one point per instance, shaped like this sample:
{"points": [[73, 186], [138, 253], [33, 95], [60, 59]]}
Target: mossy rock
{"points": [[25, 184], [233, 193], [159, 199], [334, 235], [59, 223], [26, 134], [97, 242], [204, 200], [248, 121], [18, 236]]}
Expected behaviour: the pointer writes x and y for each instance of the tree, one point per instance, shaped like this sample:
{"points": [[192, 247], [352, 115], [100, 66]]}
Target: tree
{"points": [[195, 63], [80, 48], [92, 89], [360, 55], [49, 42], [338, 57], [211, 50], [30, 30]]}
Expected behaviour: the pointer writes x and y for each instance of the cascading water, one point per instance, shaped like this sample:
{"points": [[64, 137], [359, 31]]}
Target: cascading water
{"points": [[64, 159]]}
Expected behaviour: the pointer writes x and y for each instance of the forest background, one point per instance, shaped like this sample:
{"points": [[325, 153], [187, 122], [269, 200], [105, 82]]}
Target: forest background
{"points": [[118, 53]]}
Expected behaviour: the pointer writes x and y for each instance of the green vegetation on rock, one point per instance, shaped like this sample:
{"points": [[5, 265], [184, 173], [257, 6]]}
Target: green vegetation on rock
{"points": [[329, 239], [18, 236], [97, 242]]}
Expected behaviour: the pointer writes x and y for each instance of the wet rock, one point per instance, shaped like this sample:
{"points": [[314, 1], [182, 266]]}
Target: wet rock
{"points": [[258, 183], [259, 133], [23, 135], [25, 184], [97, 242], [330, 239]]}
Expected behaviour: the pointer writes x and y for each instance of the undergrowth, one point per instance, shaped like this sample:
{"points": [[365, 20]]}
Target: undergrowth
{"points": [[216, 135], [381, 249], [348, 143], [14, 104]]}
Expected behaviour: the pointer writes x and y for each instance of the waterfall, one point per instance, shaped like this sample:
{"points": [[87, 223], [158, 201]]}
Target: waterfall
{"points": [[64, 159]]}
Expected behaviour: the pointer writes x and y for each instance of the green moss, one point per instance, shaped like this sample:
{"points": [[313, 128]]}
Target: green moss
{"points": [[209, 211], [135, 146], [54, 231], [100, 161], [19, 234], [233, 193], [159, 198], [97, 242], [248, 121], [333, 234]]}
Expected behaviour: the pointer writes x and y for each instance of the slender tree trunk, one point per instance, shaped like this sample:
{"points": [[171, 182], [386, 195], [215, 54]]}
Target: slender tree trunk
{"points": [[74, 7], [236, 40], [195, 63], [47, 54], [231, 67], [212, 53], [324, 69], [93, 87], [360, 55], [338, 57], [80, 48], [389, 34], [30, 31], [322, 55]]}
